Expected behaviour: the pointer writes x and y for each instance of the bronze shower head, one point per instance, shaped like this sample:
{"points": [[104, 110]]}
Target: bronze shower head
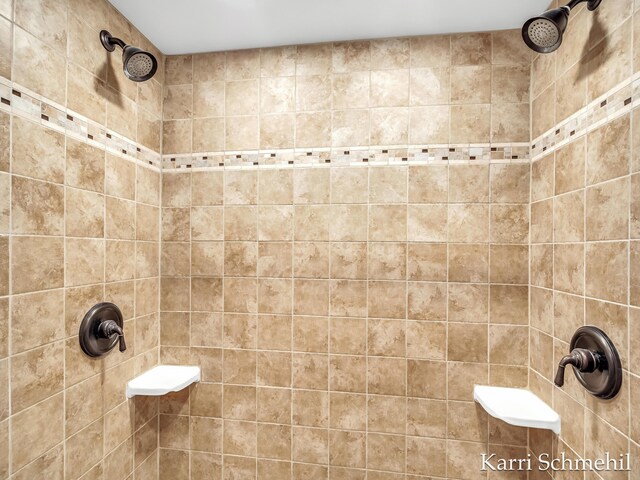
{"points": [[137, 64], [543, 34]]}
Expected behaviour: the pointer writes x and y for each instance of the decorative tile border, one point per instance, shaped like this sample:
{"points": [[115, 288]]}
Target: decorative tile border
{"points": [[618, 101], [18, 100], [379, 155]]}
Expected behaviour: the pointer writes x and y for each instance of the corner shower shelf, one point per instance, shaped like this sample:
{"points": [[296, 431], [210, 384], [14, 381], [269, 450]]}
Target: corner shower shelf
{"points": [[163, 379], [517, 406]]}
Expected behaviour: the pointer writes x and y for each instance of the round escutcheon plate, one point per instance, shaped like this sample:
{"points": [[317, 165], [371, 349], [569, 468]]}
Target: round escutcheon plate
{"points": [[91, 342], [606, 380]]}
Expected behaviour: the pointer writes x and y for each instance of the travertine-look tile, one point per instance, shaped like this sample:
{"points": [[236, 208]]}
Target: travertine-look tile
{"points": [[541, 226], [607, 210], [471, 49], [46, 305], [29, 442], [606, 270], [430, 86], [427, 262], [429, 125], [468, 303], [84, 213], [468, 263], [389, 126], [38, 66], [542, 178], [36, 375], [608, 151], [471, 123], [471, 84], [84, 261], [430, 51], [469, 183], [37, 151], [37, 207], [510, 83], [120, 177], [207, 188], [390, 53], [510, 122], [36, 263], [6, 46], [634, 285], [468, 223], [349, 185], [84, 166], [568, 215], [388, 185], [569, 166]]}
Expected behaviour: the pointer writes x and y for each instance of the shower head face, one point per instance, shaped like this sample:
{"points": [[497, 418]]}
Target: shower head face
{"points": [[543, 34], [137, 64]]}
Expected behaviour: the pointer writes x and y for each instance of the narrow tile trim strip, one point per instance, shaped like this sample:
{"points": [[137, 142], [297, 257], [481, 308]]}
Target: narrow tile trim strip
{"points": [[20, 101], [351, 156], [620, 100]]}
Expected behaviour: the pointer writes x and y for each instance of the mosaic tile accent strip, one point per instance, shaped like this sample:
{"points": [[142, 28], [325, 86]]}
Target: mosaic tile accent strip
{"points": [[20, 101], [425, 154], [618, 101]]}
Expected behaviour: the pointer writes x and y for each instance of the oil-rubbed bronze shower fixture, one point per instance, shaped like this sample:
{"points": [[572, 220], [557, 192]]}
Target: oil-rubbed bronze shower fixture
{"points": [[543, 34], [137, 64], [101, 328], [595, 361]]}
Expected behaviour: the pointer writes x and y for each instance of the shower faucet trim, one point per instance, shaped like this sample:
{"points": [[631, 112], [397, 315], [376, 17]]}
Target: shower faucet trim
{"points": [[101, 329], [595, 361]]}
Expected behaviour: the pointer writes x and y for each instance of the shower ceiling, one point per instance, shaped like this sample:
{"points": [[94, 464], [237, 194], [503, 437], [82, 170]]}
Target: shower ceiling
{"points": [[191, 26]]}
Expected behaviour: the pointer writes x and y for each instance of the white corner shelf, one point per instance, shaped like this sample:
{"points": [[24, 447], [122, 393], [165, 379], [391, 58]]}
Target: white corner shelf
{"points": [[517, 406], [163, 379]]}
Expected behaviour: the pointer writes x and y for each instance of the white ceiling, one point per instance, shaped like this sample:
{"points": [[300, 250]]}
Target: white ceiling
{"points": [[190, 26]]}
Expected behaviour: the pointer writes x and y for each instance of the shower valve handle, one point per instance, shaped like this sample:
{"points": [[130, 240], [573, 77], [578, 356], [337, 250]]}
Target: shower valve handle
{"points": [[108, 328], [582, 359]]}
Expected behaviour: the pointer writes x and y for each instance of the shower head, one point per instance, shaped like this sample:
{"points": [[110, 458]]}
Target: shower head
{"points": [[137, 64], [543, 34]]}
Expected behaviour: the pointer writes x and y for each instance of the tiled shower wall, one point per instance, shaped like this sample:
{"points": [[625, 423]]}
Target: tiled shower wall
{"points": [[79, 224], [442, 90], [585, 226], [342, 314]]}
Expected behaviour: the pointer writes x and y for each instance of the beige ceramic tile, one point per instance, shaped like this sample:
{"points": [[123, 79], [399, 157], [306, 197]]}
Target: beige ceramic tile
{"points": [[430, 51], [84, 50], [32, 57], [6, 45], [429, 125], [178, 70], [471, 84], [41, 258], [429, 86], [608, 151], [37, 207], [606, 270], [28, 442], [36, 151], [607, 207], [471, 49]]}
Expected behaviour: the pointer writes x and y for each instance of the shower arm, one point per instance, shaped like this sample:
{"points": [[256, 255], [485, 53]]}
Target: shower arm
{"points": [[109, 42], [591, 4]]}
